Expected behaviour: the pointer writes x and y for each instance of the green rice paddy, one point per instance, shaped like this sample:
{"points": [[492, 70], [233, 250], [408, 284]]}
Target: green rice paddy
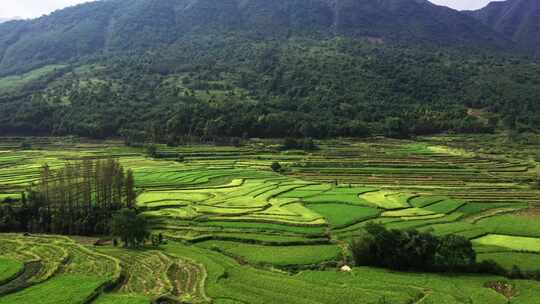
{"points": [[9, 268], [518, 243], [239, 233]]}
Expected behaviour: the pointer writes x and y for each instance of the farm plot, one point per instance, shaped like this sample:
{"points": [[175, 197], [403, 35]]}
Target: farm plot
{"points": [[150, 274], [122, 299], [387, 199], [232, 283], [517, 243], [248, 199], [411, 213], [54, 262], [276, 255], [9, 269], [511, 224], [62, 289], [353, 196], [228, 207], [229, 282], [342, 215], [48, 257], [507, 259], [442, 289]]}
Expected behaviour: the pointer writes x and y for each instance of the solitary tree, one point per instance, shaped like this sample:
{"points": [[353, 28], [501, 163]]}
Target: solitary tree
{"points": [[131, 228], [151, 150], [276, 167]]}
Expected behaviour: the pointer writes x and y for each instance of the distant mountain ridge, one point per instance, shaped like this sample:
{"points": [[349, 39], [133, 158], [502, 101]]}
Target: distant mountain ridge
{"points": [[116, 25], [518, 20]]}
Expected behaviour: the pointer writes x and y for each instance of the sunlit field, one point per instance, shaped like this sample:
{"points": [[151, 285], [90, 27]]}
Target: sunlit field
{"points": [[238, 232]]}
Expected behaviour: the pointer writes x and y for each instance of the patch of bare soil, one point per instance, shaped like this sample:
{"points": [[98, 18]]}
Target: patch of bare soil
{"points": [[503, 287], [530, 212]]}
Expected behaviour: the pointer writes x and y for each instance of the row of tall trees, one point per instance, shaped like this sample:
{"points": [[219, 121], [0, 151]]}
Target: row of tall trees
{"points": [[77, 199]]}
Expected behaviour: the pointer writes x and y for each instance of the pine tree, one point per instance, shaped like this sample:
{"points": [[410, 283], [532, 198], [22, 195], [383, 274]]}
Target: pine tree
{"points": [[129, 190]]}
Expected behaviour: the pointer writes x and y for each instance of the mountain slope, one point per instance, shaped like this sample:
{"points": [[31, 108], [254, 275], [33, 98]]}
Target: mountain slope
{"points": [[116, 25], [182, 70], [518, 20]]}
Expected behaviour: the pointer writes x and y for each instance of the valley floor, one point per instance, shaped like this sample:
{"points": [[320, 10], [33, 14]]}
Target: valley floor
{"points": [[240, 233]]}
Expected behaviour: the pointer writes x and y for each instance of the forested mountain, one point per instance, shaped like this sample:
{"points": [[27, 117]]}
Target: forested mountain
{"points": [[518, 20], [120, 25], [170, 70]]}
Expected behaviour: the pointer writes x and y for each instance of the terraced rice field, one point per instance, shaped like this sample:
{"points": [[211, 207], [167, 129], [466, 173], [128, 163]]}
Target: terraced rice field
{"points": [[9, 269], [239, 233], [518, 243], [151, 273]]}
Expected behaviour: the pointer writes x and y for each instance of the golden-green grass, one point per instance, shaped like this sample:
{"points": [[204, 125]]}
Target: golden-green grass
{"points": [[386, 199], [276, 255], [518, 243], [9, 268], [62, 289]]}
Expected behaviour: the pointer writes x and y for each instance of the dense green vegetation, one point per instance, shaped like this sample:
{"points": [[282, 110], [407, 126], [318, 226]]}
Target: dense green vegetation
{"points": [[186, 74], [413, 250], [131, 228], [119, 26], [344, 88]]}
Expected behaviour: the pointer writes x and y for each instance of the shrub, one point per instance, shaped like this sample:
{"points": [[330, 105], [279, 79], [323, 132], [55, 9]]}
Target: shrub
{"points": [[516, 273], [454, 253], [276, 167], [236, 142], [26, 145], [151, 150], [306, 144], [362, 251], [535, 275], [491, 267], [131, 228], [290, 144]]}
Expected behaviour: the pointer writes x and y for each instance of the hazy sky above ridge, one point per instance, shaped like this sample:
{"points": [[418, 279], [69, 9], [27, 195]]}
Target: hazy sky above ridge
{"points": [[33, 8], [36, 8], [463, 4]]}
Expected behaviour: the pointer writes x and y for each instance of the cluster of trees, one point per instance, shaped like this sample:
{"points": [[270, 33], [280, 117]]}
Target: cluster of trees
{"points": [[413, 250], [422, 251], [271, 89], [131, 228], [306, 144], [78, 199]]}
